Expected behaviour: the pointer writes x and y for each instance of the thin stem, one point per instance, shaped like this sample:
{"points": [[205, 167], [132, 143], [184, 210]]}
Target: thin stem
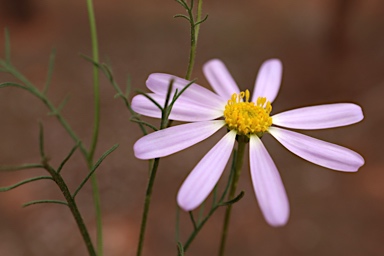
{"points": [[194, 36], [73, 207], [192, 53], [199, 227], [96, 86], [238, 165], [107, 71], [152, 175], [55, 111], [165, 122], [97, 205], [215, 205], [147, 202], [96, 89], [198, 17]]}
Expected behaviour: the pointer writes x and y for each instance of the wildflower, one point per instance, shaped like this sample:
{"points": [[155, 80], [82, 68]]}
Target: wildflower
{"points": [[242, 115]]}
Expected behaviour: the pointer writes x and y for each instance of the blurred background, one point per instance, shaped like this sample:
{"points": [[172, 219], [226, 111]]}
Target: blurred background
{"points": [[332, 51]]}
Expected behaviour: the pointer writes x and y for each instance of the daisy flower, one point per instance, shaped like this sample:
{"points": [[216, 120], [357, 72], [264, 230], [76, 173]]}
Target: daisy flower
{"points": [[242, 114]]}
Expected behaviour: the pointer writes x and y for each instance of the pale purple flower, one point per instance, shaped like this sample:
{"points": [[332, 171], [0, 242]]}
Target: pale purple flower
{"points": [[205, 109]]}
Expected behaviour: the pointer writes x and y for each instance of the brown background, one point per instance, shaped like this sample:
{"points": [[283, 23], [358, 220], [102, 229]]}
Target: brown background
{"points": [[332, 51]]}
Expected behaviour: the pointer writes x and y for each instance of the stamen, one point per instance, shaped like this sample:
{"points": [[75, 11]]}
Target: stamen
{"points": [[247, 117]]}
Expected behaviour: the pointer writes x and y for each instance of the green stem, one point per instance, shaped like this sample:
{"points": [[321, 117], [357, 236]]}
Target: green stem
{"points": [[147, 202], [165, 123], [194, 36], [96, 86], [73, 207], [198, 18], [238, 165], [199, 227], [53, 110], [96, 89], [97, 204]]}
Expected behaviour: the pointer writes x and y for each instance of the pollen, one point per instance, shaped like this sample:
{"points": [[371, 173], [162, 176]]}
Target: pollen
{"points": [[246, 117]]}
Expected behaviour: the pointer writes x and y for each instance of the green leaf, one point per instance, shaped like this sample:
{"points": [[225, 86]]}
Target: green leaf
{"points": [[152, 100], [193, 220], [3, 189], [94, 168], [234, 200], [45, 202], [41, 140], [233, 170], [87, 58], [60, 107], [201, 21], [166, 110], [182, 16], [68, 157], [201, 212], [137, 120], [20, 167], [10, 84], [181, 92]]}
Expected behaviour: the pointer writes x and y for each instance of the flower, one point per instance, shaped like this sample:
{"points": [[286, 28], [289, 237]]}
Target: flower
{"points": [[242, 116]]}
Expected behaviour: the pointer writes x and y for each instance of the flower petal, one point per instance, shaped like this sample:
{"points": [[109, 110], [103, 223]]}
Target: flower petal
{"points": [[320, 117], [220, 79], [269, 188], [159, 83], [203, 178], [268, 80], [317, 151], [182, 110], [173, 139]]}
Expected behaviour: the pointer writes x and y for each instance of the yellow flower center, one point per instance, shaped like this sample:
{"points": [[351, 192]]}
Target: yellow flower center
{"points": [[247, 117]]}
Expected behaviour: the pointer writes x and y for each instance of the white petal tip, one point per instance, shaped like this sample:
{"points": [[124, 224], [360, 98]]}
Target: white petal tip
{"points": [[185, 204], [212, 61], [277, 224], [185, 207], [274, 61]]}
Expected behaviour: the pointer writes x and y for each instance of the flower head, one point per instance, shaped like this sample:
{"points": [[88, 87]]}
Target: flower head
{"points": [[246, 117], [242, 115]]}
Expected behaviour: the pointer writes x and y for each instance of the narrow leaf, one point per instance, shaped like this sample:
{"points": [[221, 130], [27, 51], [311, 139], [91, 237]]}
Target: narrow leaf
{"points": [[201, 212], [201, 21], [94, 168], [181, 92], [41, 140], [87, 58], [10, 84], [68, 156], [45, 202], [148, 97], [193, 220], [182, 16], [233, 170], [3, 189], [234, 200], [60, 107], [137, 120], [20, 167]]}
